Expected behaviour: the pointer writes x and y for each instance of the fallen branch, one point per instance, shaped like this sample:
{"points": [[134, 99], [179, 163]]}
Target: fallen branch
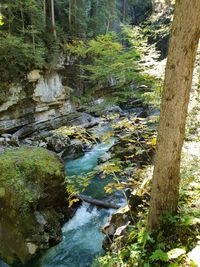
{"points": [[97, 202]]}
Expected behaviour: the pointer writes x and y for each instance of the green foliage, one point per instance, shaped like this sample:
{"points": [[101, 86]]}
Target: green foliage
{"points": [[192, 129], [137, 142], [27, 42], [77, 184], [158, 249], [18, 57], [109, 66], [21, 169], [29, 26], [22, 44], [177, 235], [169, 245], [159, 255], [77, 132], [28, 180], [107, 55], [152, 96]]}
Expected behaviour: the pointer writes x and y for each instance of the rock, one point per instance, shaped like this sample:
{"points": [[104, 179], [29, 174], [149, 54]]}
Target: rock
{"points": [[193, 255], [74, 150], [58, 142], [99, 101], [32, 202], [113, 109], [2, 150], [155, 112], [132, 103], [122, 230], [69, 119], [41, 101], [109, 229], [3, 141], [142, 114], [28, 141], [40, 218], [43, 144], [85, 120], [14, 141], [3, 264], [118, 223], [43, 135], [120, 217], [34, 75], [104, 158], [32, 248], [6, 135]]}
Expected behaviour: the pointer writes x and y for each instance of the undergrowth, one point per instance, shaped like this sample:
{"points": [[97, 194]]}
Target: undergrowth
{"points": [[170, 245]]}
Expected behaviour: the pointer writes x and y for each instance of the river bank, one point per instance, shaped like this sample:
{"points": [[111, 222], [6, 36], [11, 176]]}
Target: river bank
{"points": [[84, 154]]}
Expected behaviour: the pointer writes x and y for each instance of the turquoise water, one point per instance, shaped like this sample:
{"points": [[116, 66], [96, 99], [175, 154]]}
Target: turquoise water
{"points": [[82, 236], [82, 240], [88, 161]]}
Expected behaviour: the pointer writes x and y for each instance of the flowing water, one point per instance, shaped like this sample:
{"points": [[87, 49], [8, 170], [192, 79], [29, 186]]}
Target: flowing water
{"points": [[82, 240], [87, 162], [82, 236]]}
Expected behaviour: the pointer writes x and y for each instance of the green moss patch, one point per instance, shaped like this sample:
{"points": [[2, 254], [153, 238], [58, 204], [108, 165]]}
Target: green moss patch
{"points": [[31, 179]]}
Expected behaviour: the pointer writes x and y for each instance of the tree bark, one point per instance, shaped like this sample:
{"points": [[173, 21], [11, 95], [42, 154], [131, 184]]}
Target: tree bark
{"points": [[70, 14], [44, 12], [175, 98], [53, 18], [22, 16], [124, 12]]}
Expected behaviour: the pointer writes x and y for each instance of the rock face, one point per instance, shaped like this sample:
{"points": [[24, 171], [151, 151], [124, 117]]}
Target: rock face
{"points": [[42, 99], [58, 142], [32, 202]]}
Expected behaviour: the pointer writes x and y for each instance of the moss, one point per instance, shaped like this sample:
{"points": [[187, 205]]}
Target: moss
{"points": [[31, 180], [21, 167]]}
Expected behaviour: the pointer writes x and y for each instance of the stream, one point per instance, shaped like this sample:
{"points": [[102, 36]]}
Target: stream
{"points": [[82, 236], [82, 240]]}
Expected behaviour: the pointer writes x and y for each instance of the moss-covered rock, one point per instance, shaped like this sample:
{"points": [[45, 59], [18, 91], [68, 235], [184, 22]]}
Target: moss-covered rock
{"points": [[32, 198]]}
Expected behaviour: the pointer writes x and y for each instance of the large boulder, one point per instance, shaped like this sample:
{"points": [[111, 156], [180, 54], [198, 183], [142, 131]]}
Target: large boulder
{"points": [[74, 150], [58, 142], [32, 202]]}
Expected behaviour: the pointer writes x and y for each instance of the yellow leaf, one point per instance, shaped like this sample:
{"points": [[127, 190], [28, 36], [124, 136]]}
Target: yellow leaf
{"points": [[72, 201], [1, 20], [109, 190], [153, 141]]}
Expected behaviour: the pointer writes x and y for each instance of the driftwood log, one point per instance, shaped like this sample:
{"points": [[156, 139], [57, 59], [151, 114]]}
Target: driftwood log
{"points": [[97, 202]]}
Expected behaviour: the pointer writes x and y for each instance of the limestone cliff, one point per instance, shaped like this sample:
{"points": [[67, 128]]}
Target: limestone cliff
{"points": [[42, 99]]}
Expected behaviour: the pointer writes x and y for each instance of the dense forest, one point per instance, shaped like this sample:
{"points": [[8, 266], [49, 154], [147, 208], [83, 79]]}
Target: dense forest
{"points": [[34, 33], [99, 133]]}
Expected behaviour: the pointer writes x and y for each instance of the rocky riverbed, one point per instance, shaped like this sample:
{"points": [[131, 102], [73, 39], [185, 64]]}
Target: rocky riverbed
{"points": [[37, 199]]}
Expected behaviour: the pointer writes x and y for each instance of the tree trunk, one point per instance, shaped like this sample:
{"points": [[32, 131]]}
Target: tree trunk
{"points": [[33, 40], [22, 16], [124, 12], [70, 14], [44, 12], [153, 5], [175, 98], [53, 18]]}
